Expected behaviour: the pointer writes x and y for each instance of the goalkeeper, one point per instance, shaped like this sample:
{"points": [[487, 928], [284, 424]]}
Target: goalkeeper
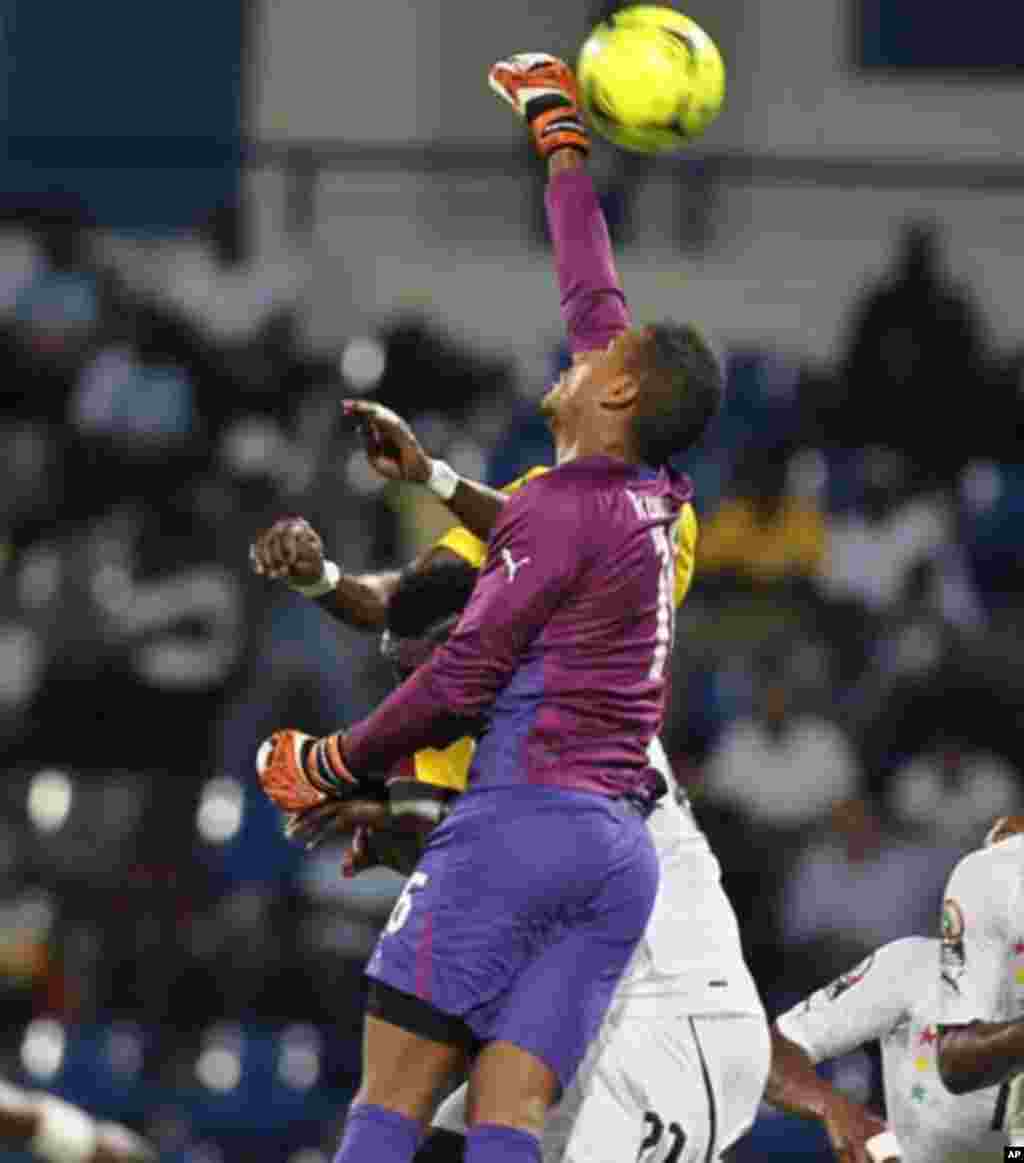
{"points": [[680, 978]]}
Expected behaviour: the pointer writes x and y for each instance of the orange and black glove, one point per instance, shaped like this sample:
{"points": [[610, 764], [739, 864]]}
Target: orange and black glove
{"points": [[542, 90], [299, 772]]}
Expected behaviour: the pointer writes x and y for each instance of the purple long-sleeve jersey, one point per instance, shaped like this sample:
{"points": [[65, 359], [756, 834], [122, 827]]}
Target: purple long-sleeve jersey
{"points": [[564, 643]]}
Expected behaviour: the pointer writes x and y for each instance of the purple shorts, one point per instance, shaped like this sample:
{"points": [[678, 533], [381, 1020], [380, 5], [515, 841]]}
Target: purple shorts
{"points": [[522, 915]]}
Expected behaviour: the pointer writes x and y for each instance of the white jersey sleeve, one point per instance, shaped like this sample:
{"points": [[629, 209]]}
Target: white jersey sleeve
{"points": [[863, 1004], [982, 971]]}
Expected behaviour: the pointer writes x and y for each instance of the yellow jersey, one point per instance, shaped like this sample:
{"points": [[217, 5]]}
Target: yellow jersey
{"points": [[449, 767]]}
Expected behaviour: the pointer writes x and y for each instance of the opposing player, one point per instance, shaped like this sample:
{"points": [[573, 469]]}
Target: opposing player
{"points": [[896, 996], [981, 1016], [54, 1131], [497, 939]]}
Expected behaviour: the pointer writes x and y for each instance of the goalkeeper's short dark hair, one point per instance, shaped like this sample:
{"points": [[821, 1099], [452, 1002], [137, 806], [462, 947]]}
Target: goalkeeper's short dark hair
{"points": [[681, 391], [426, 595]]}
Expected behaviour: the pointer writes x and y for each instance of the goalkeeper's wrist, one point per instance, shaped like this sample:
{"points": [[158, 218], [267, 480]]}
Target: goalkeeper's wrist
{"points": [[327, 583], [326, 766]]}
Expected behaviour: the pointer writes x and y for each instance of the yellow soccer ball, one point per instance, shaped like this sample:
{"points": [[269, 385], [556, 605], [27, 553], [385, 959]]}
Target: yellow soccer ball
{"points": [[651, 80]]}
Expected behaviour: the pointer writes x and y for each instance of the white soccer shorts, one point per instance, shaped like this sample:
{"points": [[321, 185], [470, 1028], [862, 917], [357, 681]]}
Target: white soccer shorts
{"points": [[664, 1087]]}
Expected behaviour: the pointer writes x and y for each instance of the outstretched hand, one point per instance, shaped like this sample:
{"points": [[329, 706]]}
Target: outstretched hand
{"points": [[391, 445]]}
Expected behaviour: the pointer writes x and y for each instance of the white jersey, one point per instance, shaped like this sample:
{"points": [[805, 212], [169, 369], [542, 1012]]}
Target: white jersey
{"points": [[982, 975], [983, 936], [691, 948], [893, 996]]}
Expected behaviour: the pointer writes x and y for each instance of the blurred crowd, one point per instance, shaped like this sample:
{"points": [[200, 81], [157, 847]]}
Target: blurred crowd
{"points": [[848, 676]]}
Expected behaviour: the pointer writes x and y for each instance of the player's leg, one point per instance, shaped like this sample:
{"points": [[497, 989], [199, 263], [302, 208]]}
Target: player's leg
{"points": [[446, 1139], [510, 1093], [410, 1051], [672, 1088], [554, 1010]]}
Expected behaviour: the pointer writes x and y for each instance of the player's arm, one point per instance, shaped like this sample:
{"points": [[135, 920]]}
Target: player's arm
{"points": [[292, 551], [980, 1054], [795, 1087], [390, 832], [542, 90], [859, 1006], [534, 555]]}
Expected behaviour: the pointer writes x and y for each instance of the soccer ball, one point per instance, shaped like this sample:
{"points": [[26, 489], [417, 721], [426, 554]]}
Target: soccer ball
{"points": [[650, 79]]}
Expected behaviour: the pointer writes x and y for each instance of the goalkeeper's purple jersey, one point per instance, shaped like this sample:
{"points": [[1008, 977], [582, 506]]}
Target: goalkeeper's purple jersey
{"points": [[563, 646]]}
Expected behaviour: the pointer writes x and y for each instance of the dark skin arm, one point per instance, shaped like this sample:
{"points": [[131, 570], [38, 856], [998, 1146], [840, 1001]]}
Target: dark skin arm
{"points": [[291, 550], [795, 1087], [393, 451], [980, 1054]]}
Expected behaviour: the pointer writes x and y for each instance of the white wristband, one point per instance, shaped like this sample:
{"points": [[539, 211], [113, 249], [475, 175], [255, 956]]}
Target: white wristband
{"points": [[65, 1135], [329, 578], [443, 479], [883, 1147]]}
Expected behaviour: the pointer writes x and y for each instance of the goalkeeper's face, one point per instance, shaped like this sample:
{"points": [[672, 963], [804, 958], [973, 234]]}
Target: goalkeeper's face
{"points": [[598, 382]]}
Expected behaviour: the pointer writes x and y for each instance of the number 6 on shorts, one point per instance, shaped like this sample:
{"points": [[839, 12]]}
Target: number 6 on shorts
{"points": [[400, 913]]}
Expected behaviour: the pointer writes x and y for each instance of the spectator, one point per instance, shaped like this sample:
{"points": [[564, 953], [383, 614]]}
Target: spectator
{"points": [[783, 767], [913, 331], [219, 285], [859, 887], [874, 547], [951, 793], [764, 533]]}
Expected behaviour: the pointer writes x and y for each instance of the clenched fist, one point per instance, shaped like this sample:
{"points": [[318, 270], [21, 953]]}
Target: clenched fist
{"points": [[291, 550]]}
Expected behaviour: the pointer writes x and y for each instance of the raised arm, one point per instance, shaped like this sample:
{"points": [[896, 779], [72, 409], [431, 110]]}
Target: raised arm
{"points": [[543, 92], [292, 551], [593, 304], [394, 451]]}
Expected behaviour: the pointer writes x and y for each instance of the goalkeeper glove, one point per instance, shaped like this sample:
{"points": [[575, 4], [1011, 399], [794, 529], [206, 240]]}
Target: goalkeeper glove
{"points": [[543, 91], [298, 772]]}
